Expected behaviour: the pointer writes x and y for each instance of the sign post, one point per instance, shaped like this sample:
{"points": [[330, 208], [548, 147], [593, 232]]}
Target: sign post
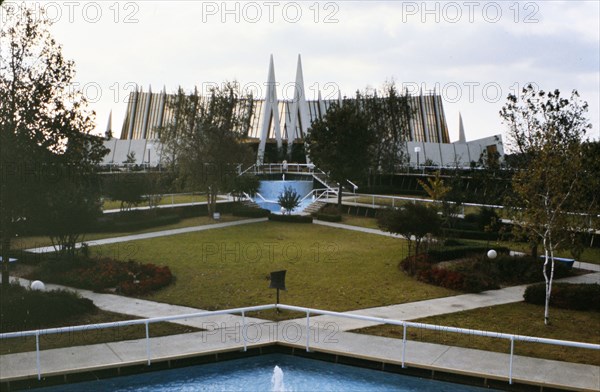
{"points": [[278, 282]]}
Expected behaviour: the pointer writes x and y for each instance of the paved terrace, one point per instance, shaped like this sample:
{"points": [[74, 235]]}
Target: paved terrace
{"points": [[219, 335]]}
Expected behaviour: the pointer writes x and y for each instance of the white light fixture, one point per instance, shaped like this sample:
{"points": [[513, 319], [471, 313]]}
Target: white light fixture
{"points": [[38, 285]]}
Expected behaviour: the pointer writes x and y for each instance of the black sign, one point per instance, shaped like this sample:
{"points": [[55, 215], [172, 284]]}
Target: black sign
{"points": [[278, 280]]}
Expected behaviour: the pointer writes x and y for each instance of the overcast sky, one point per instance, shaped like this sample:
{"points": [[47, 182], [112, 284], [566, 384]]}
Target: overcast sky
{"points": [[473, 53]]}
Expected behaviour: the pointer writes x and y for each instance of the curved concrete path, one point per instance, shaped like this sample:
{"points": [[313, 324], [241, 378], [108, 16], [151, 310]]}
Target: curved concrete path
{"points": [[154, 234], [584, 377]]}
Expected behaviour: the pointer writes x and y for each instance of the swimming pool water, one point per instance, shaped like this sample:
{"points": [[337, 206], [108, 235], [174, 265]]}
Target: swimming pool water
{"points": [[271, 190], [256, 373]]}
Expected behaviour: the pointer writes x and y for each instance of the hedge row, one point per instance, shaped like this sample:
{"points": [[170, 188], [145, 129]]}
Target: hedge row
{"points": [[472, 234], [478, 273], [141, 223], [291, 218], [250, 212], [129, 278], [24, 309], [329, 217], [456, 252], [566, 295]]}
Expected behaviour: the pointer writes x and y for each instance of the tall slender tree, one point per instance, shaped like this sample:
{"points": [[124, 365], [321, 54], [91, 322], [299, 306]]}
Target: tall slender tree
{"points": [[548, 130], [204, 143]]}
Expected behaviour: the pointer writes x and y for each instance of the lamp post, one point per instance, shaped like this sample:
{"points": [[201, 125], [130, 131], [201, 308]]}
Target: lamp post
{"points": [[417, 151], [148, 147]]}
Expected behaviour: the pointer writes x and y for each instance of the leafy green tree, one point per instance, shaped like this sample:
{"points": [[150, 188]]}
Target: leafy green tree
{"points": [[67, 211], [128, 188], [288, 199], [341, 143], [245, 184], [130, 159], [547, 190], [441, 194], [435, 187], [204, 144], [44, 124], [591, 171], [413, 222]]}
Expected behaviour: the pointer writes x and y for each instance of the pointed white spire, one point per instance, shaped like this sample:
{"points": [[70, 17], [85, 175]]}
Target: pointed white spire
{"points": [[108, 132], [461, 130], [322, 108], [299, 111], [271, 111]]}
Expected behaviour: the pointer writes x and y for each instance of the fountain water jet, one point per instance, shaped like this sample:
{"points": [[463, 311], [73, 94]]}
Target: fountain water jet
{"points": [[277, 380]]}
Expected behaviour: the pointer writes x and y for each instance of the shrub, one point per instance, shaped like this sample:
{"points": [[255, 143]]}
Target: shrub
{"points": [[289, 199], [135, 220], [442, 277], [414, 264], [250, 212], [329, 217], [23, 309], [472, 234], [566, 295], [130, 278], [144, 278], [291, 218], [476, 274], [456, 252]]}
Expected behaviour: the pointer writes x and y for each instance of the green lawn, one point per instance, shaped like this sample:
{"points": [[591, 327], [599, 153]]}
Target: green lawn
{"points": [[38, 241], [24, 344], [518, 318], [361, 221], [326, 268]]}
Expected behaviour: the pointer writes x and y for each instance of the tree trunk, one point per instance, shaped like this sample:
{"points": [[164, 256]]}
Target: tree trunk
{"points": [[339, 204], [208, 201], [5, 261], [548, 257]]}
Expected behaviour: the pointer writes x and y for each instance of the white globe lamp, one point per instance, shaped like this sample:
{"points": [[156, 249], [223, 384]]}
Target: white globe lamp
{"points": [[38, 285], [492, 254]]}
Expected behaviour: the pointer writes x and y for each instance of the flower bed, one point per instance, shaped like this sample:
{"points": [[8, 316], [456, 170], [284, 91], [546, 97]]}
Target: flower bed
{"points": [[105, 274], [477, 273]]}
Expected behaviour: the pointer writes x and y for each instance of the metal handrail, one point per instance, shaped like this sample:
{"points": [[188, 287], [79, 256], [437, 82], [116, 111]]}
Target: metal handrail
{"points": [[314, 192], [405, 324]]}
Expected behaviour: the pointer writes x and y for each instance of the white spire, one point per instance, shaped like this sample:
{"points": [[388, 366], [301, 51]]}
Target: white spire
{"points": [[461, 130], [321, 105], [108, 132], [299, 111], [271, 110]]}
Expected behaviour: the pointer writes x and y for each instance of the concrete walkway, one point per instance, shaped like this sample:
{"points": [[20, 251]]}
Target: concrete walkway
{"points": [[154, 234], [222, 200], [467, 361], [146, 309], [383, 351], [438, 306]]}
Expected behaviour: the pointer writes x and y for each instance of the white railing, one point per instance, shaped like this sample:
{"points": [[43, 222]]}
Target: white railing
{"points": [[308, 311], [319, 193], [395, 199], [282, 168], [354, 186]]}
